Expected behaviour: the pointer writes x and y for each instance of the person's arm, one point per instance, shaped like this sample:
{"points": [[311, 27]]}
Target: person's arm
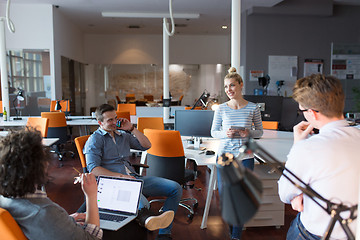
{"points": [[128, 126], [89, 187], [216, 127], [97, 171], [258, 132]]}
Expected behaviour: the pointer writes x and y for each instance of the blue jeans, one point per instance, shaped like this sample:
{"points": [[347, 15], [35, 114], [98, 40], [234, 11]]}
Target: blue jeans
{"points": [[297, 231], [236, 231], [157, 186]]}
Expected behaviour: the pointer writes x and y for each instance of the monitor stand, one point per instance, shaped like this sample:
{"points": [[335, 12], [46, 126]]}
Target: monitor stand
{"points": [[197, 141]]}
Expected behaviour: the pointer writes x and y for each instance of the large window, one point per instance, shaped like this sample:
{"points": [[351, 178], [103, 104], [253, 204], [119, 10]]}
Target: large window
{"points": [[29, 71]]}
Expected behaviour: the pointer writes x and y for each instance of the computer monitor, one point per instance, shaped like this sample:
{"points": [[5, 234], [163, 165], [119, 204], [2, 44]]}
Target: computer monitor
{"points": [[194, 123]]}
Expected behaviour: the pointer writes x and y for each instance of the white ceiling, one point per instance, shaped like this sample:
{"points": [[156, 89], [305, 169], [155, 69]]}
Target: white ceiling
{"points": [[86, 14]]}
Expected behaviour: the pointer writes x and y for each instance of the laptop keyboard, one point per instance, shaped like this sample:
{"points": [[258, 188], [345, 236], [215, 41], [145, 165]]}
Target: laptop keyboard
{"points": [[110, 217]]}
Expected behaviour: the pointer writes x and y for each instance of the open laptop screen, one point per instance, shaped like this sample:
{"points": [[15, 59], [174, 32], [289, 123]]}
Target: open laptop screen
{"points": [[119, 194]]}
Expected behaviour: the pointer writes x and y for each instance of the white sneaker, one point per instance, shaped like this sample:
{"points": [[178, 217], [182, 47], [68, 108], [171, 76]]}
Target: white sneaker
{"points": [[162, 221]]}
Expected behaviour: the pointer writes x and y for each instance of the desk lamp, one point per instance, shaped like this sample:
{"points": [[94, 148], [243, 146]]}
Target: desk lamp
{"points": [[202, 99], [19, 97], [240, 188]]}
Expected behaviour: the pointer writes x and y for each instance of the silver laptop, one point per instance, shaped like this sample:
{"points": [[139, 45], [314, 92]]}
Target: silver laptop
{"points": [[118, 201]]}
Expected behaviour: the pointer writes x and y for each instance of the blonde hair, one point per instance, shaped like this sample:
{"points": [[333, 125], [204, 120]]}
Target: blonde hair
{"points": [[233, 74], [320, 93]]}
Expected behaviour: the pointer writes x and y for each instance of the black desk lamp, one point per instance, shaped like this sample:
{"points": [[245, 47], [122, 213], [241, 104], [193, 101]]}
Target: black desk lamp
{"points": [[203, 99], [19, 97], [240, 188]]}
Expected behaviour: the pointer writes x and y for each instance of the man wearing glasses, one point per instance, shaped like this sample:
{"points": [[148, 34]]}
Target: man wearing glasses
{"points": [[328, 161]]}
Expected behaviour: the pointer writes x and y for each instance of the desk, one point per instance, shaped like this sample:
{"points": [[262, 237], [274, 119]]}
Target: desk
{"points": [[46, 141]]}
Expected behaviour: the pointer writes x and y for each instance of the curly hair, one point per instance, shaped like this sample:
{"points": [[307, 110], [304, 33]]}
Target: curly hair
{"points": [[101, 109], [233, 74], [23, 163], [321, 93]]}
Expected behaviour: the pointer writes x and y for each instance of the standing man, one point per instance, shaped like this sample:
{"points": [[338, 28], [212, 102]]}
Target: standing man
{"points": [[328, 162], [107, 152]]}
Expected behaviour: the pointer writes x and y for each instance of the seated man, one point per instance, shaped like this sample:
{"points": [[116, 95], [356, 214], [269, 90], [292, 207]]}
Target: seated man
{"points": [[23, 171], [107, 152]]}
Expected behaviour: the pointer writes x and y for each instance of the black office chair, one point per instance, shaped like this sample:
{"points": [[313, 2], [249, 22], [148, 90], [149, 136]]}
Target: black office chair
{"points": [[166, 159], [58, 129]]}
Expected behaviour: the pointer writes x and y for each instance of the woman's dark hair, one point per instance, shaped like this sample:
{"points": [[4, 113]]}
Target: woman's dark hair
{"points": [[101, 109], [23, 163]]}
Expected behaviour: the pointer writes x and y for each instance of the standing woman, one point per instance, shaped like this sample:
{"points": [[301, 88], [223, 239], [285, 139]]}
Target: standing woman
{"points": [[234, 119]]}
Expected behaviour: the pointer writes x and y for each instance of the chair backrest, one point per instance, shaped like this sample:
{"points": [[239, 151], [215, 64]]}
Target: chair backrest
{"points": [[196, 108], [80, 143], [272, 125], [149, 97], [118, 99], [123, 115], [150, 122], [9, 229], [166, 155], [65, 106], [57, 125], [130, 96], [127, 107], [40, 124], [1, 107]]}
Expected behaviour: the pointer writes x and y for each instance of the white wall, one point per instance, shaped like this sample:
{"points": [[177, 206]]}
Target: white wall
{"points": [[68, 42], [147, 49]]}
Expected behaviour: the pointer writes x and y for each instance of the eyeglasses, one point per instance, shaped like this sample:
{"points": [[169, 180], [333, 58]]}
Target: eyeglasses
{"points": [[301, 111]]}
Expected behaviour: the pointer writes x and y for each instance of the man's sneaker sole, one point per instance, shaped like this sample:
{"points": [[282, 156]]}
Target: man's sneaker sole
{"points": [[162, 221]]}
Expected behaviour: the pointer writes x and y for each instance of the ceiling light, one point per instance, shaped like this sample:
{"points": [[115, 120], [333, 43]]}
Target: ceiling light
{"points": [[149, 15], [224, 27]]}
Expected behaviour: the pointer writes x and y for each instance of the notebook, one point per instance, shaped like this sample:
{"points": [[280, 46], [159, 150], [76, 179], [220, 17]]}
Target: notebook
{"points": [[118, 201]]}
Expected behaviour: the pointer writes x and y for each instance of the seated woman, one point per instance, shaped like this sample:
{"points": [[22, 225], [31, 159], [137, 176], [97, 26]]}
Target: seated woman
{"points": [[23, 171]]}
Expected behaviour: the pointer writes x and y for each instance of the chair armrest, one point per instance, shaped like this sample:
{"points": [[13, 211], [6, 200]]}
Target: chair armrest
{"points": [[137, 166]]}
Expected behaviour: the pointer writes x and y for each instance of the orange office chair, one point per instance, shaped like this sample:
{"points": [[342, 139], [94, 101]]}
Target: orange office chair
{"points": [[9, 229], [40, 124], [150, 122], [271, 125], [123, 115], [1, 107], [130, 97], [65, 106], [196, 108], [128, 107], [80, 143], [57, 129], [166, 159], [149, 97]]}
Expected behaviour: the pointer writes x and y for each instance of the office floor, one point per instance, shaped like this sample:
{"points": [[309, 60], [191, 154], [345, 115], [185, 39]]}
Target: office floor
{"points": [[61, 190]]}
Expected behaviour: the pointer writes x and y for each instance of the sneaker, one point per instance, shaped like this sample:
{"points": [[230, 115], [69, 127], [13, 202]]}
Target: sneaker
{"points": [[153, 222], [162, 221], [163, 237]]}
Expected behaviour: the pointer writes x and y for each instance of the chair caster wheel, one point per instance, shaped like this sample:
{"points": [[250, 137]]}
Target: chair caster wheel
{"points": [[195, 205], [190, 216]]}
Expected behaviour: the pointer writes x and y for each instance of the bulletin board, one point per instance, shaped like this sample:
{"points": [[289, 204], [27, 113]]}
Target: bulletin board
{"points": [[345, 61]]}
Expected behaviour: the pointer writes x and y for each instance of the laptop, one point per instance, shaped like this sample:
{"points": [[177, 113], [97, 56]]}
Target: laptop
{"points": [[118, 201]]}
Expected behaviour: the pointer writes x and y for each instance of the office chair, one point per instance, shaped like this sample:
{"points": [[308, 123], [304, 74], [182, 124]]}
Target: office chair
{"points": [[128, 107], [40, 124], [196, 108], [80, 143], [166, 159], [1, 107], [150, 122], [123, 115], [130, 97], [9, 229], [65, 106], [149, 97], [58, 129], [271, 125]]}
